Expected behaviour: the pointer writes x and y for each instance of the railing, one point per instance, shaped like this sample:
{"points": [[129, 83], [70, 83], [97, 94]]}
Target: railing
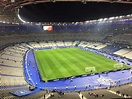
{"points": [[91, 87]]}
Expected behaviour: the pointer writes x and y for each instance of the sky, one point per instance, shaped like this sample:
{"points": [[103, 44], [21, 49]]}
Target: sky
{"points": [[72, 11]]}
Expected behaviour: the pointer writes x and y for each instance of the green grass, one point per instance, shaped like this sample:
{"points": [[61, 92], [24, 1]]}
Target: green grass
{"points": [[67, 62]]}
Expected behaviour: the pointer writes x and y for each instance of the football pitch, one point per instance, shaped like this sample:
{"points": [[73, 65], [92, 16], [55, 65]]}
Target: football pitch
{"points": [[67, 62]]}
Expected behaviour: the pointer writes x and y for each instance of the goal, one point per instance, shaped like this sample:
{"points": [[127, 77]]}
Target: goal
{"points": [[90, 69], [118, 65]]}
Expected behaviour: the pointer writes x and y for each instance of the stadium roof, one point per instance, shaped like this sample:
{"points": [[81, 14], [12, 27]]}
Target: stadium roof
{"points": [[72, 11], [18, 3], [65, 11]]}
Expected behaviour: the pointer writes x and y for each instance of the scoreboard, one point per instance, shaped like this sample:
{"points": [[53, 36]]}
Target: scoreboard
{"points": [[48, 28]]}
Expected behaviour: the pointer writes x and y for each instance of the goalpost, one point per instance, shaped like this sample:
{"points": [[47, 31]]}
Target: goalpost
{"points": [[118, 65], [90, 69]]}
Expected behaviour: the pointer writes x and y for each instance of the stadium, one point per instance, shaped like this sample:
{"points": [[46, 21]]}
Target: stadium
{"points": [[65, 53]]}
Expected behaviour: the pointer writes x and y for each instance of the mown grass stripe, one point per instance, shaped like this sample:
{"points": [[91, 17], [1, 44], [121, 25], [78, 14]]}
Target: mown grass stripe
{"points": [[40, 65], [44, 65], [53, 67], [66, 62], [76, 62], [58, 64]]}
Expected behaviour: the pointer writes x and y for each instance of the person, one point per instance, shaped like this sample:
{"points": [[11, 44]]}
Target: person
{"points": [[91, 94], [99, 75], [106, 73], [52, 95], [66, 87], [117, 92], [71, 80], [82, 96], [44, 96], [123, 94], [127, 95], [54, 90], [75, 87]]}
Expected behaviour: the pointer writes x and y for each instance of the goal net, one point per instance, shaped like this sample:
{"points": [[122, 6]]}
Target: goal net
{"points": [[90, 69], [118, 65]]}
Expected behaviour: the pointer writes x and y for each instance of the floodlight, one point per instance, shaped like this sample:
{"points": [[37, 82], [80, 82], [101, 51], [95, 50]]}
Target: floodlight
{"points": [[100, 19], [111, 18], [105, 19]]}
